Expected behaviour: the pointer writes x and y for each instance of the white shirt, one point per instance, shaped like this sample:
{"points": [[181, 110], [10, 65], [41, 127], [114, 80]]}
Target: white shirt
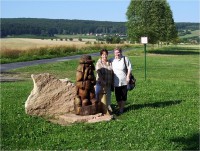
{"points": [[119, 70]]}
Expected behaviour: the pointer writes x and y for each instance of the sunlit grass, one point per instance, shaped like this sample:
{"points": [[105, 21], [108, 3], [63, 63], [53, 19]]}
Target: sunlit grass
{"points": [[162, 113]]}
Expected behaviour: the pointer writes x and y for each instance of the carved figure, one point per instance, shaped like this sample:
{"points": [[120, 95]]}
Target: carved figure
{"points": [[85, 102]]}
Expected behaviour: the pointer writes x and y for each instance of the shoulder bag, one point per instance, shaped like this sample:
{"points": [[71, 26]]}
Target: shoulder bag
{"points": [[132, 82]]}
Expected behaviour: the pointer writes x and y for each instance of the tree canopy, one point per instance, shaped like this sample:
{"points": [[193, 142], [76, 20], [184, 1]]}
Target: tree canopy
{"points": [[153, 19]]}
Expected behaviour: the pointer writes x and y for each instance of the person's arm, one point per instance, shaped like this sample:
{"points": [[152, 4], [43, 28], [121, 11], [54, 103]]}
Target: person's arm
{"points": [[100, 76], [129, 67], [128, 75]]}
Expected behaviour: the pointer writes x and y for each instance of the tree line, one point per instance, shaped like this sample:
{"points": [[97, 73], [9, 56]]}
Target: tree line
{"points": [[49, 27]]}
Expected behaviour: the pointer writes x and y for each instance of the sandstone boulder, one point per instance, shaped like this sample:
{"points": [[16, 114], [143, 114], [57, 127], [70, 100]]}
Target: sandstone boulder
{"points": [[50, 96]]}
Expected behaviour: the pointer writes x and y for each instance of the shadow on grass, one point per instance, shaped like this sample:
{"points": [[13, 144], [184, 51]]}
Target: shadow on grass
{"points": [[174, 52], [153, 105], [190, 143]]}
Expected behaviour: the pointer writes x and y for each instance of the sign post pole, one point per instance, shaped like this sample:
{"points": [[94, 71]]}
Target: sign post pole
{"points": [[144, 40], [145, 62]]}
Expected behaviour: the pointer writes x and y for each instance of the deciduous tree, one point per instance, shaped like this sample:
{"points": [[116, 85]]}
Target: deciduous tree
{"points": [[151, 18]]}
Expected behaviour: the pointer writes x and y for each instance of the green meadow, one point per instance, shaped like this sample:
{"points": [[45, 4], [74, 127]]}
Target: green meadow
{"points": [[162, 112]]}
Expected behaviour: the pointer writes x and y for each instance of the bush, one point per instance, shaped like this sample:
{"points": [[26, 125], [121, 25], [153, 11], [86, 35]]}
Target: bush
{"points": [[88, 42]]}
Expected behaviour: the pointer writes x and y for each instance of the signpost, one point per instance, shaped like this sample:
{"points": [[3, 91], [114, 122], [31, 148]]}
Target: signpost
{"points": [[144, 40]]}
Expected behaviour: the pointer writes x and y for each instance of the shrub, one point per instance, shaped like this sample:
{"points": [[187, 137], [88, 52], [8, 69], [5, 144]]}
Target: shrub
{"points": [[88, 42]]}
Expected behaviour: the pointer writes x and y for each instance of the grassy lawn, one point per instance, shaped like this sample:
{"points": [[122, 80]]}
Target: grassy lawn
{"points": [[162, 113]]}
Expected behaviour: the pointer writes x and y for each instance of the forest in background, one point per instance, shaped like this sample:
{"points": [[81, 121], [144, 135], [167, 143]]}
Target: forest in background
{"points": [[50, 27], [19, 26]]}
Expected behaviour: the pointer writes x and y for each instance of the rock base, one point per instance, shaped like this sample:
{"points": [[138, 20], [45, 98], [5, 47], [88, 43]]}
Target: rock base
{"points": [[86, 110], [69, 119]]}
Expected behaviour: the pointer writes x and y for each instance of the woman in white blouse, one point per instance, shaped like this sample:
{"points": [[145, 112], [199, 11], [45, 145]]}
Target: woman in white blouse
{"points": [[121, 77]]}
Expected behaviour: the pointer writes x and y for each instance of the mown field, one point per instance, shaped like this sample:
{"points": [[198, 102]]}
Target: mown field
{"points": [[162, 113]]}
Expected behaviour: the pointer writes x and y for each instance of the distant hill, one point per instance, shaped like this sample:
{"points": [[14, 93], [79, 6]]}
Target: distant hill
{"points": [[189, 32], [49, 27], [187, 26], [38, 26]]}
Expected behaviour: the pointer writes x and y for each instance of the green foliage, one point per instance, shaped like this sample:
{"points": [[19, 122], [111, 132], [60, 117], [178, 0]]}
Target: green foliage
{"points": [[150, 18], [79, 39], [161, 113], [30, 36], [187, 26], [89, 42], [113, 39], [56, 28], [50, 27]]}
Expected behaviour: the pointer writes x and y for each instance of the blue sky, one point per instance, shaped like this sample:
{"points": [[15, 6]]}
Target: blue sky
{"points": [[100, 10]]}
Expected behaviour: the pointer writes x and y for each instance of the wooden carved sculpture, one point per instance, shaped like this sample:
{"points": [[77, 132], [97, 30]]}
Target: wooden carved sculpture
{"points": [[85, 102]]}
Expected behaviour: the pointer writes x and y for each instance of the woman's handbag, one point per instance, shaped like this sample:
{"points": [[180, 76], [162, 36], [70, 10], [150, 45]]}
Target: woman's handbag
{"points": [[132, 83]]}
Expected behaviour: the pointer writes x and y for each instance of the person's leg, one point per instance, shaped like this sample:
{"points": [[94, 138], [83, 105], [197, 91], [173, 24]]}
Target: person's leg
{"points": [[124, 98], [97, 92], [118, 96], [119, 104], [108, 92], [122, 104], [108, 97]]}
